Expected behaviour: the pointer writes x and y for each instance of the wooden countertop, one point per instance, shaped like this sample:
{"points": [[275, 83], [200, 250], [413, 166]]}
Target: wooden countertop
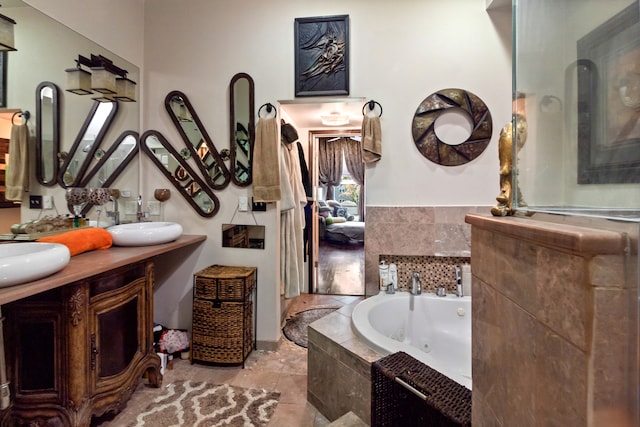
{"points": [[95, 262]]}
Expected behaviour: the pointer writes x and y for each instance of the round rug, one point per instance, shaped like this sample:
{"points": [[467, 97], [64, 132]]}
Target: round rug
{"points": [[295, 328]]}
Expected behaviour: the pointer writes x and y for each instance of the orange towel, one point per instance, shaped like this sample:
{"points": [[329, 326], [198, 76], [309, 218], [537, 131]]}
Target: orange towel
{"points": [[79, 241]]}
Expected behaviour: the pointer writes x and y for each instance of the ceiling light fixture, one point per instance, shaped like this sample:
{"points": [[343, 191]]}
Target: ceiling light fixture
{"points": [[6, 33], [105, 78], [335, 119]]}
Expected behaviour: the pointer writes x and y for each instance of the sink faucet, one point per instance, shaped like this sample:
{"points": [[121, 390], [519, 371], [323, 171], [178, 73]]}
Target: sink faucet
{"points": [[416, 286], [114, 213], [390, 289], [140, 214]]}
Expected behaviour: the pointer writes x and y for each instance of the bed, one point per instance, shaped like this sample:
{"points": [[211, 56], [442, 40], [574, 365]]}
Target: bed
{"points": [[337, 226]]}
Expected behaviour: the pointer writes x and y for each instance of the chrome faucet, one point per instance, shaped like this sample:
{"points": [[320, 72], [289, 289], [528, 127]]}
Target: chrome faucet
{"points": [[114, 213], [140, 214], [416, 286], [459, 291], [391, 289]]}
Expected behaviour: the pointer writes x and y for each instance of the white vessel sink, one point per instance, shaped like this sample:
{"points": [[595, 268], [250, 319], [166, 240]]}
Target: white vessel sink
{"points": [[145, 233], [25, 262]]}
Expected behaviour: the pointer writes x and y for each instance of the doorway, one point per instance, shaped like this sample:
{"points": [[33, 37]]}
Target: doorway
{"points": [[338, 214], [331, 267]]}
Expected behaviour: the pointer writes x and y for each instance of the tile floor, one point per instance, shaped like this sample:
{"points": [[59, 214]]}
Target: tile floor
{"points": [[284, 370]]}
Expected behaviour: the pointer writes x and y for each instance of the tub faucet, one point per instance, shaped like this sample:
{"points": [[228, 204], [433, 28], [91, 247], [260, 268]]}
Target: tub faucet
{"points": [[391, 289], [416, 286], [441, 291], [459, 291]]}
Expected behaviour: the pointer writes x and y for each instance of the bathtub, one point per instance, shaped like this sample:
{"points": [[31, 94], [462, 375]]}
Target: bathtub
{"points": [[434, 330]]}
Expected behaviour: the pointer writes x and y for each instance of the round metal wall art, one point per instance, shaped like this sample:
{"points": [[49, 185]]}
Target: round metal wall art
{"points": [[436, 104]]}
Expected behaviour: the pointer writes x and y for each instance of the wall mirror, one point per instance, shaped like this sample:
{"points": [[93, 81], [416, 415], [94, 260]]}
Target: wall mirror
{"points": [[47, 133], [179, 173], [87, 142], [242, 131], [243, 236], [23, 77], [104, 173], [197, 140]]}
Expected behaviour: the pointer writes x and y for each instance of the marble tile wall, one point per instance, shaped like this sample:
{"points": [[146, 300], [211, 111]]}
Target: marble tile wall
{"points": [[415, 231], [554, 315]]}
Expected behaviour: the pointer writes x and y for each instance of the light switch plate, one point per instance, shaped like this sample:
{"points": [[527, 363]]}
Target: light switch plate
{"points": [[243, 203]]}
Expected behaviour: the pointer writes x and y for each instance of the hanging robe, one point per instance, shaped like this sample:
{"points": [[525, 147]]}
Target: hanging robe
{"points": [[292, 223]]}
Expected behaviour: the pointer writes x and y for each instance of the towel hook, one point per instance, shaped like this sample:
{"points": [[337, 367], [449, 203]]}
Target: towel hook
{"points": [[25, 115], [372, 104], [269, 108]]}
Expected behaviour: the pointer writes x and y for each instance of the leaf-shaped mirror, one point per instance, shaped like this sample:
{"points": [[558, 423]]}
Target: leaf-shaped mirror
{"points": [[242, 131], [197, 140], [47, 133], [87, 142], [176, 169]]}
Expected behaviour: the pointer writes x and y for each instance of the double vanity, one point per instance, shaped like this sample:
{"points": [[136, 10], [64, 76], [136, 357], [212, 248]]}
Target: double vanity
{"points": [[78, 342]]}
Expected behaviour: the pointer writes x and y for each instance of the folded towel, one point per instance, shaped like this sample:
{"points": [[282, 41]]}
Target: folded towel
{"points": [[371, 139], [18, 168], [266, 169], [83, 240]]}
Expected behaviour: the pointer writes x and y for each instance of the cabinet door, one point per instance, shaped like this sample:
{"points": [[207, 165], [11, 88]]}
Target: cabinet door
{"points": [[117, 336]]}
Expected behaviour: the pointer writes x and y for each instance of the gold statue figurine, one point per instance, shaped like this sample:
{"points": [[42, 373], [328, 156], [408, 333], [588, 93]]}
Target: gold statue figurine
{"points": [[505, 154]]}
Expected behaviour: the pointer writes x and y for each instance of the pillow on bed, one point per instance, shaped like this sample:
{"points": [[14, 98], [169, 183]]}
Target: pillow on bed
{"points": [[336, 220], [340, 212]]}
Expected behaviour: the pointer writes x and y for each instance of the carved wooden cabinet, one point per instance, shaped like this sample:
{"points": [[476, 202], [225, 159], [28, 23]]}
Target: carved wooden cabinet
{"points": [[80, 350]]}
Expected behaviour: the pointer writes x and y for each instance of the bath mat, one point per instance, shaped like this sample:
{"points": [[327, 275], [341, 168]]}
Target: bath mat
{"points": [[193, 403], [295, 329]]}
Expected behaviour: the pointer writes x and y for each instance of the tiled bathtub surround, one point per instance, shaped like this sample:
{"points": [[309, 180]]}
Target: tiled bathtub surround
{"points": [[415, 231], [554, 321]]}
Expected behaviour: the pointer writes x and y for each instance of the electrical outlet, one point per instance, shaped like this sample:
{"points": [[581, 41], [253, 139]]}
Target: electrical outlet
{"points": [[258, 206], [35, 202]]}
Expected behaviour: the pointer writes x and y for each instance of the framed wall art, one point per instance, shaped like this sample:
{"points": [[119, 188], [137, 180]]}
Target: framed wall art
{"points": [[608, 73], [322, 55]]}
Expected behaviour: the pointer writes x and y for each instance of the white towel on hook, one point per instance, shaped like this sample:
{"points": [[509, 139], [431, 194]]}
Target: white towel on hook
{"points": [[17, 173]]}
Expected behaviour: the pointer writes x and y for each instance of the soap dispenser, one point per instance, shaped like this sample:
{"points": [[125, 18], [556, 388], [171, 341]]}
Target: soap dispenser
{"points": [[393, 276]]}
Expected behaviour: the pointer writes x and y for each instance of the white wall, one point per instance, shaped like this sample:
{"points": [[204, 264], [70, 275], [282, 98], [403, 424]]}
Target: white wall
{"points": [[401, 52]]}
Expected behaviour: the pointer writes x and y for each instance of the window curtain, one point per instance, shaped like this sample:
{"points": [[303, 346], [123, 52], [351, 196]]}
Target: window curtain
{"points": [[353, 159], [329, 165]]}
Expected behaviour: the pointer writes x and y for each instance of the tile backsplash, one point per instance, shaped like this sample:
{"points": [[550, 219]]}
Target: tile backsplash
{"points": [[434, 271]]}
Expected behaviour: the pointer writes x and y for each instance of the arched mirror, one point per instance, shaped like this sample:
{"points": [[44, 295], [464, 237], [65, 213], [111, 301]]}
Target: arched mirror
{"points": [[241, 101], [47, 133], [87, 142], [197, 140], [176, 169]]}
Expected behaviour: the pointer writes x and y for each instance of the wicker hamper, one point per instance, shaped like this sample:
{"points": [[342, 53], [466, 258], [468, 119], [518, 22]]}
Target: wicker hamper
{"points": [[446, 403], [223, 326]]}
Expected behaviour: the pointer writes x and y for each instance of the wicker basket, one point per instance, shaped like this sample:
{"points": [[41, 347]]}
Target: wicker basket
{"points": [[224, 282], [222, 333], [223, 328], [446, 403]]}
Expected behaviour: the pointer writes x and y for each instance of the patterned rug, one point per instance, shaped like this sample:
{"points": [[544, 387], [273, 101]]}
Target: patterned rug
{"points": [[295, 328], [200, 404]]}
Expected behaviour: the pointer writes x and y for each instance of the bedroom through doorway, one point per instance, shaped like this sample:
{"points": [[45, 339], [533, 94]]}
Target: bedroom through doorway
{"points": [[338, 216]]}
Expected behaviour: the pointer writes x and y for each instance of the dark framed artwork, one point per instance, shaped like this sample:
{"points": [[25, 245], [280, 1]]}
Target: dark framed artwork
{"points": [[322, 55], [608, 70], [3, 79]]}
